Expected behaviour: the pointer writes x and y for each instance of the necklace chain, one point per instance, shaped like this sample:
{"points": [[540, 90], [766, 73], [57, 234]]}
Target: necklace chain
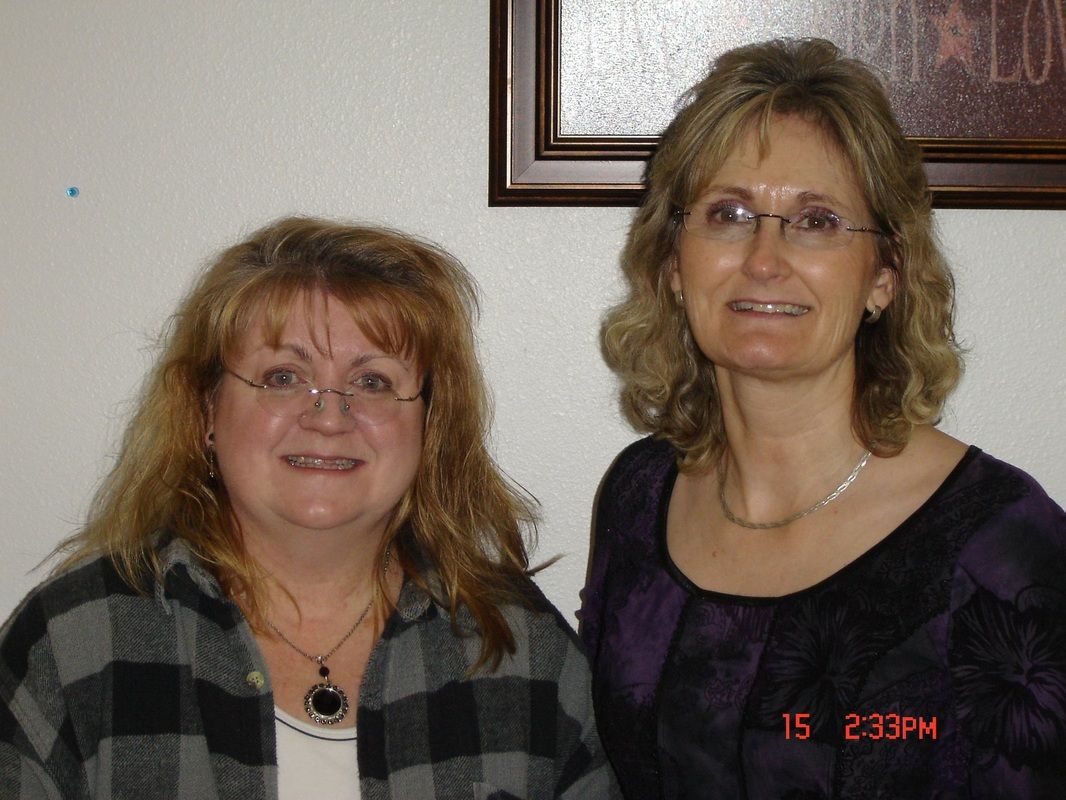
{"points": [[320, 660], [829, 498]]}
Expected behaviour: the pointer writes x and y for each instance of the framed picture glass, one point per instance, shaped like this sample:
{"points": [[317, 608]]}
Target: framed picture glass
{"points": [[581, 89]]}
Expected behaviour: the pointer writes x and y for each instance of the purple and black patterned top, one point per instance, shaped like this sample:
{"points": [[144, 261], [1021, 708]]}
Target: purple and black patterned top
{"points": [[933, 666]]}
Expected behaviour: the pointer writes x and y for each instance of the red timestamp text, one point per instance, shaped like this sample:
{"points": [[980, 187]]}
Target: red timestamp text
{"points": [[868, 726]]}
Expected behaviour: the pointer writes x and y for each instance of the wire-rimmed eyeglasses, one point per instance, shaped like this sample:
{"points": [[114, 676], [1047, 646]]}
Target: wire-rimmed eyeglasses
{"points": [[371, 400], [816, 228]]}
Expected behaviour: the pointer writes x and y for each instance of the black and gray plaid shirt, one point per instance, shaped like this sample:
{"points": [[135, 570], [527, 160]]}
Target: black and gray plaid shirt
{"points": [[105, 693]]}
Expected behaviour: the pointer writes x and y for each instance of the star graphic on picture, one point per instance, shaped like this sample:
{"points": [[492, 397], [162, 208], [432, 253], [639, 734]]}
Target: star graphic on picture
{"points": [[956, 36]]}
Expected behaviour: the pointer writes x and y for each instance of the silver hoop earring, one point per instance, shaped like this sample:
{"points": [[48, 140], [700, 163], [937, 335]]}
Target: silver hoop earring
{"points": [[679, 296], [873, 316]]}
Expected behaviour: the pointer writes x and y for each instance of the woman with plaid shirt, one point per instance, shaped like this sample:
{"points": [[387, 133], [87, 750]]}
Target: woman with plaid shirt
{"points": [[305, 575]]}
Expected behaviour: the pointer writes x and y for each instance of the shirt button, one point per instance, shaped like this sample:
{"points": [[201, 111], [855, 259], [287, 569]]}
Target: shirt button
{"points": [[255, 679]]}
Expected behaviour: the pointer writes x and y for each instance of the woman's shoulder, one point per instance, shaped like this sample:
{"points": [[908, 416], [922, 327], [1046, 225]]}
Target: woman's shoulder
{"points": [[545, 647], [537, 627], [64, 632], [82, 591], [1018, 486], [976, 493], [637, 477], [88, 613], [1018, 533], [543, 639], [1001, 499], [647, 456]]}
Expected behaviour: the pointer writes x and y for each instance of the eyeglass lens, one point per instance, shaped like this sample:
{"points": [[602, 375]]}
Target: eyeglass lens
{"points": [[817, 229], [373, 408]]}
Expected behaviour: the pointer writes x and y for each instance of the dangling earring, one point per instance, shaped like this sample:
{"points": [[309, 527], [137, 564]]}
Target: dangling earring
{"points": [[679, 296], [211, 456], [873, 316]]}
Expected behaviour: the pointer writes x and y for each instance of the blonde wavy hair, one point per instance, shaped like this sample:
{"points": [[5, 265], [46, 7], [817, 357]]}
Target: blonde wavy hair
{"points": [[906, 364], [461, 522]]}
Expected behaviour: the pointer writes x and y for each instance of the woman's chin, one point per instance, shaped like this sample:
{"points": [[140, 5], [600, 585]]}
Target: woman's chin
{"points": [[325, 522], [764, 362], [772, 358]]}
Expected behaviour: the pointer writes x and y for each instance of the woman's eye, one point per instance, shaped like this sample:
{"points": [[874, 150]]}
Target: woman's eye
{"points": [[281, 379], [372, 383], [817, 220], [727, 215]]}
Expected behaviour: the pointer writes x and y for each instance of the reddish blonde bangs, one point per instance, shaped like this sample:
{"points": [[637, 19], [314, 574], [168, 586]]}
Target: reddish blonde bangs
{"points": [[392, 318]]}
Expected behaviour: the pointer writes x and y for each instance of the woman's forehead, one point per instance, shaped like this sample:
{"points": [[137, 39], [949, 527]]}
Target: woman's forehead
{"points": [[321, 325], [792, 156]]}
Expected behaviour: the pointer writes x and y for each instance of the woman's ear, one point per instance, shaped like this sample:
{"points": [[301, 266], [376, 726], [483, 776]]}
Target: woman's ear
{"points": [[209, 422], [886, 279], [675, 276], [883, 290]]}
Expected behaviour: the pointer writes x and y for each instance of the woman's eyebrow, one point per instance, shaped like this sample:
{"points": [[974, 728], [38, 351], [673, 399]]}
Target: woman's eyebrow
{"points": [[305, 355], [366, 358], [737, 191], [298, 350], [817, 197], [745, 195]]}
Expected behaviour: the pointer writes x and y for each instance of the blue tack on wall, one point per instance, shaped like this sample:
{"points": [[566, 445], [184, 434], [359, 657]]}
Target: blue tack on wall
{"points": [[73, 191]]}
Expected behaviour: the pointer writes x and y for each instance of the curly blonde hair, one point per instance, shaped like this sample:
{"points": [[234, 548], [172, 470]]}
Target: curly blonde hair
{"points": [[461, 520], [906, 364]]}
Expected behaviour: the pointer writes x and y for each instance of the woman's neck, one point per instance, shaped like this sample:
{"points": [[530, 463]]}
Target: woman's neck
{"points": [[787, 444], [322, 572]]}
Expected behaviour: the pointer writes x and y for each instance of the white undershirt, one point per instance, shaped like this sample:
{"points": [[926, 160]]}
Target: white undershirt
{"points": [[315, 760]]}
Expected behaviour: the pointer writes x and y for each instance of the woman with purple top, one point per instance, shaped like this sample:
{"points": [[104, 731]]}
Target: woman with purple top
{"points": [[799, 587]]}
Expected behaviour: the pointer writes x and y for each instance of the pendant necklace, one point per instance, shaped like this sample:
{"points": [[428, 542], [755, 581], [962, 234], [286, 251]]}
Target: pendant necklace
{"points": [[761, 526], [327, 703]]}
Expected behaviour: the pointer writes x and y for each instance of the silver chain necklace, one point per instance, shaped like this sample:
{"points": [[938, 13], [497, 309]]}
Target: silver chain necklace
{"points": [[829, 498], [327, 703]]}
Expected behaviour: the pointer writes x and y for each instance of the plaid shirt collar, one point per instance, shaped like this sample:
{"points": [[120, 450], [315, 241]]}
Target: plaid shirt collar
{"points": [[175, 555]]}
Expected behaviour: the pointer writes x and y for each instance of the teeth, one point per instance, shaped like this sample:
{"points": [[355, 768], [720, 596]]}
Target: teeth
{"points": [[321, 463], [769, 308]]}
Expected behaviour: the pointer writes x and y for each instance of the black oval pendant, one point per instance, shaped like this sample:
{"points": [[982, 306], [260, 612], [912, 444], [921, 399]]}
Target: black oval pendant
{"points": [[326, 703]]}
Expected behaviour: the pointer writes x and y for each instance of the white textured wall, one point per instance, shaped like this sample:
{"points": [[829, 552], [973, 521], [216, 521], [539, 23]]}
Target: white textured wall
{"points": [[186, 125]]}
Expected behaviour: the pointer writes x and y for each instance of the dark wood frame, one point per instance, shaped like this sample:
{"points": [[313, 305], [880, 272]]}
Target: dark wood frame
{"points": [[531, 163]]}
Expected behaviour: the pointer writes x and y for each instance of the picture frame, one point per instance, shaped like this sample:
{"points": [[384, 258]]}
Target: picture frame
{"points": [[534, 160]]}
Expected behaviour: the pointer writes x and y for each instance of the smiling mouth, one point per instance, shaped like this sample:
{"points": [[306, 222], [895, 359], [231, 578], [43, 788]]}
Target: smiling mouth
{"points": [[769, 308], [315, 462]]}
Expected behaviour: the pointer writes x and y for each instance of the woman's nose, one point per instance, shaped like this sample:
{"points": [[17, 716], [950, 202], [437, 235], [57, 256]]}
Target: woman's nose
{"points": [[331, 410], [766, 258]]}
